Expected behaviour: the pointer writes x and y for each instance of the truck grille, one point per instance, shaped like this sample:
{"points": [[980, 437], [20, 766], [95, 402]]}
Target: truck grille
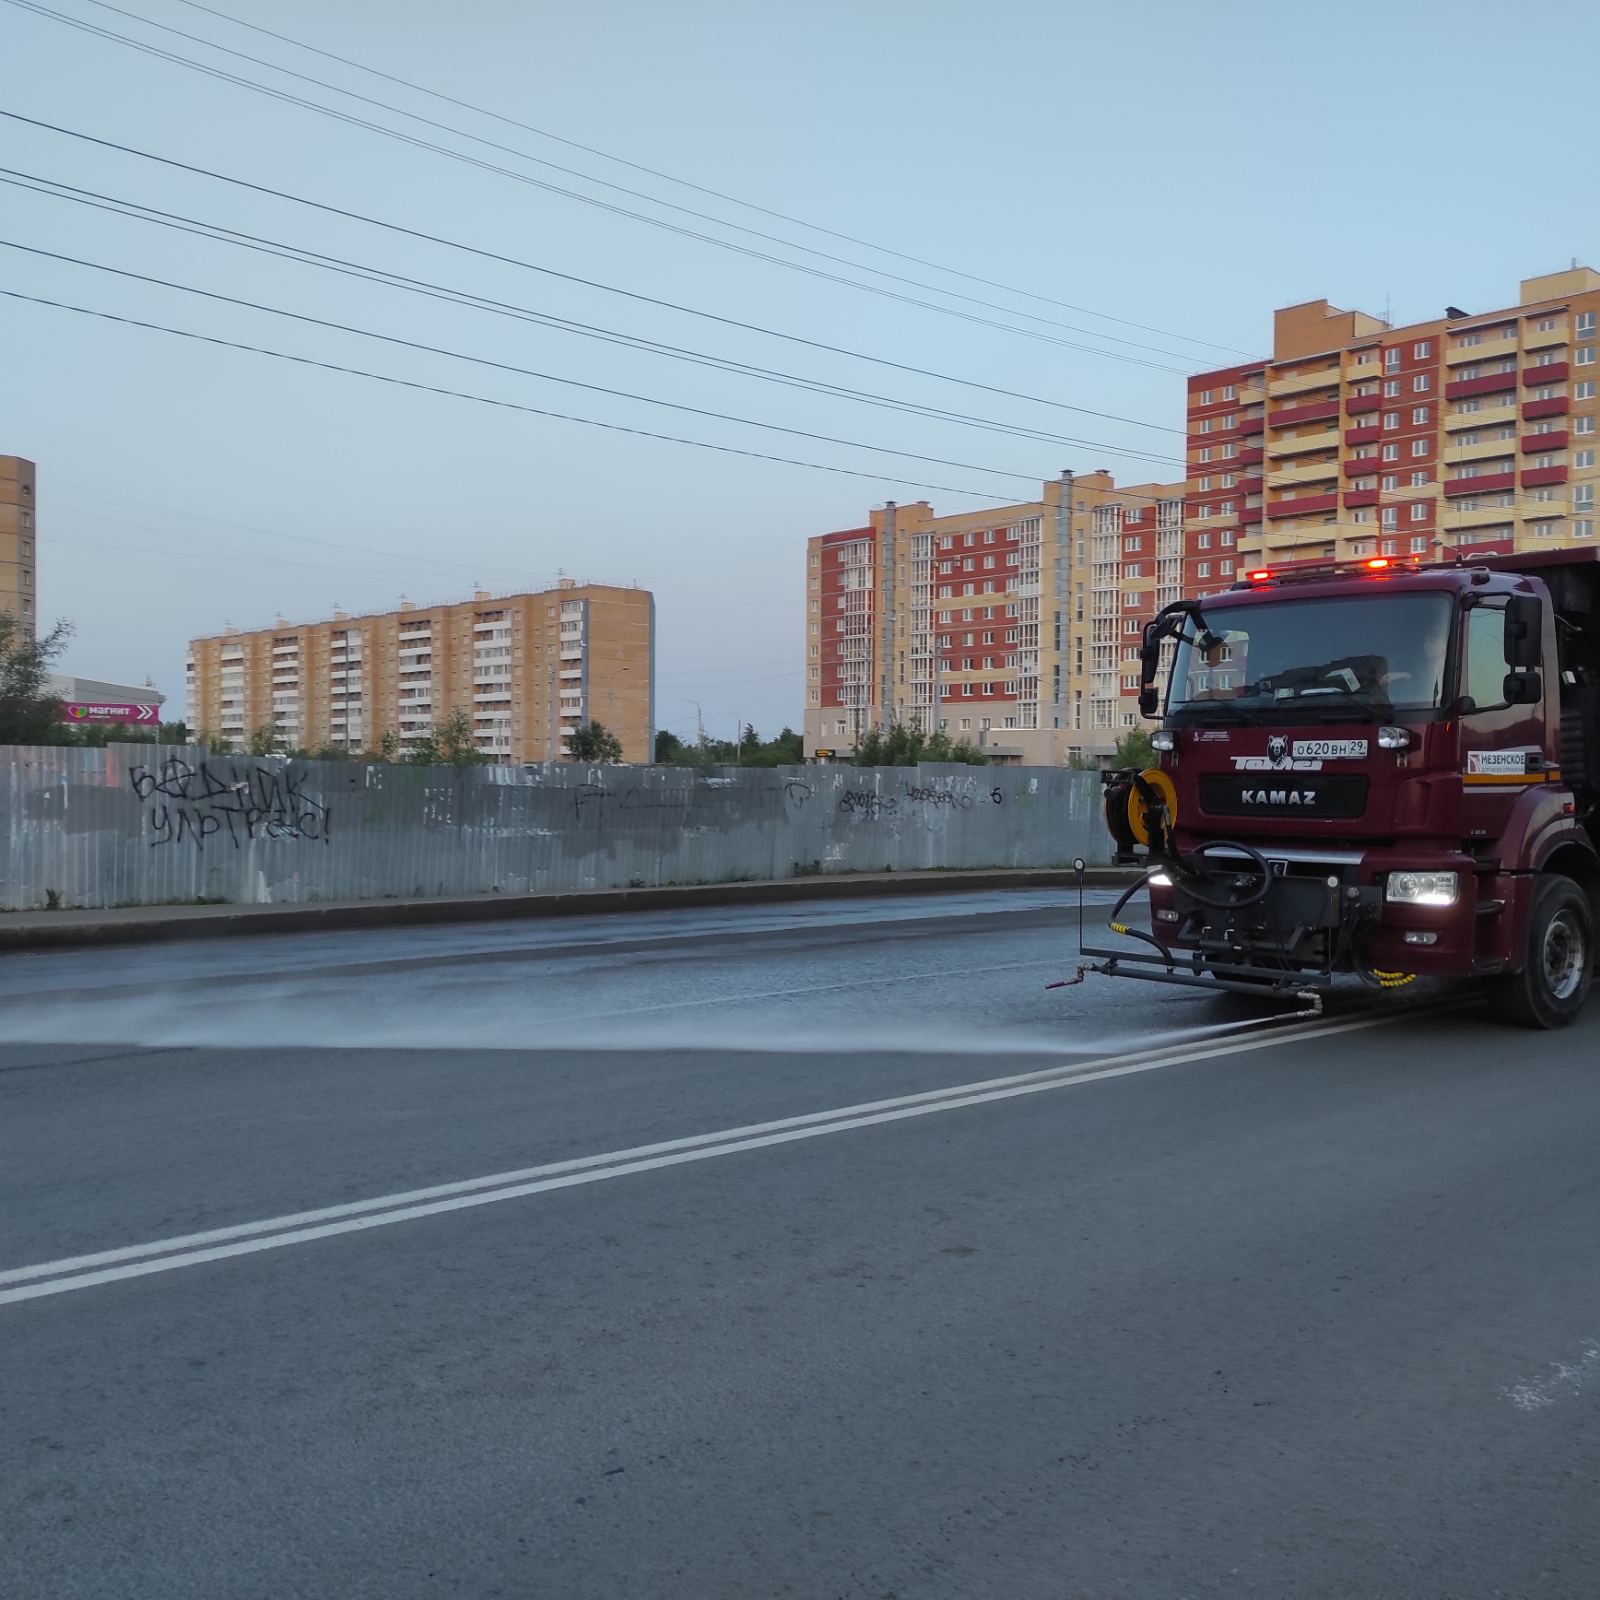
{"points": [[1283, 794]]}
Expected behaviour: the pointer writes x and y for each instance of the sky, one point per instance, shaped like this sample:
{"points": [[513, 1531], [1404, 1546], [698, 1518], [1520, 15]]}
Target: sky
{"points": [[1140, 186]]}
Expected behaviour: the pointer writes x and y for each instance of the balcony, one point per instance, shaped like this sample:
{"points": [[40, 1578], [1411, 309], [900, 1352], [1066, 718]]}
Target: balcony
{"points": [[1252, 425], [1248, 485], [1483, 417], [1304, 443], [1305, 506], [1251, 457], [1366, 435], [1323, 377], [1554, 407], [1493, 344], [1360, 497], [1538, 443], [1493, 383], [1296, 416], [1249, 515], [1477, 517], [1250, 394], [1307, 472], [1539, 477], [1483, 450], [1551, 372], [1358, 403], [1537, 338], [1363, 371], [1484, 483], [1363, 467]]}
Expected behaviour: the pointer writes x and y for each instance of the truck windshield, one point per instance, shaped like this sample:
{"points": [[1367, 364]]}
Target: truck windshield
{"points": [[1355, 657]]}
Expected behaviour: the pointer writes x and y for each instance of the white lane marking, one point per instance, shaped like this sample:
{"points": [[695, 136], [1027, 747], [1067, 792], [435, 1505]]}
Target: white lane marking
{"points": [[1534, 1394], [272, 1233]]}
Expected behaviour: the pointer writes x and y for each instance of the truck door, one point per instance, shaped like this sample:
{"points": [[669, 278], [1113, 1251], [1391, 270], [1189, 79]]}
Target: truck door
{"points": [[1502, 746]]}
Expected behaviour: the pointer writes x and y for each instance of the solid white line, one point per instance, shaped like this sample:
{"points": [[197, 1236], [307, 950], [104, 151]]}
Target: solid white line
{"points": [[165, 1255]]}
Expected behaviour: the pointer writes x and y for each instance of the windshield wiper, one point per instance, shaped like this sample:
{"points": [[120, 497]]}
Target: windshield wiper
{"points": [[1200, 713]]}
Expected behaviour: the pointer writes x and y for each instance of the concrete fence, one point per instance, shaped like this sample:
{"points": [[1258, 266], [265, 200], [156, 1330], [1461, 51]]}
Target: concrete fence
{"points": [[141, 825]]}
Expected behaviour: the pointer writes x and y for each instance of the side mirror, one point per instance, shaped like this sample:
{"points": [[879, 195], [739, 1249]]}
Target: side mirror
{"points": [[1522, 688], [1150, 701], [1524, 636]]}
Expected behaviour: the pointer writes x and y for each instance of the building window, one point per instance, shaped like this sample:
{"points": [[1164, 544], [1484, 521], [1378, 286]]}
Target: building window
{"points": [[1583, 458], [1467, 340], [1419, 544], [1419, 512], [1391, 387], [1583, 497], [1543, 530], [1205, 397], [1390, 482], [1391, 359], [1583, 390], [1583, 356], [1226, 569], [1422, 349], [1583, 424], [1205, 453], [1132, 624], [1390, 547], [1421, 384], [1132, 570], [1419, 415], [1203, 541], [1230, 391], [1391, 516], [1419, 447], [1420, 478], [1391, 452], [1226, 537], [1203, 569], [1391, 419], [1585, 324]]}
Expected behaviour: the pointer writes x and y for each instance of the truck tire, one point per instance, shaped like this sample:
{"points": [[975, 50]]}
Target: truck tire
{"points": [[1558, 959]]}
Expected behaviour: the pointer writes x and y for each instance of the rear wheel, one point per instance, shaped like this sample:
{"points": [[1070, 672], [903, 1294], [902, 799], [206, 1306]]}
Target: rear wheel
{"points": [[1557, 960]]}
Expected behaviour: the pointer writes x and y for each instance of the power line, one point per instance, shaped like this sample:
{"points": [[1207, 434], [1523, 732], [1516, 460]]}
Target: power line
{"points": [[505, 366], [699, 188], [574, 172], [277, 249], [486, 400], [567, 277], [590, 200]]}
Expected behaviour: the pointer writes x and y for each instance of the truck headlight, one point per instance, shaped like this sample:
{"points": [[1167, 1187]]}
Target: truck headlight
{"points": [[1422, 888]]}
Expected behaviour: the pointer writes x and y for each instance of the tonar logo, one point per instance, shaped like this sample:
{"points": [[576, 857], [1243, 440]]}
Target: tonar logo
{"points": [[1277, 748], [1278, 797]]}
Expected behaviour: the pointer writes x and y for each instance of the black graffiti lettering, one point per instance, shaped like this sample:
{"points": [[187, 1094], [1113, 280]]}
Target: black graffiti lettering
{"points": [[867, 805], [246, 801]]}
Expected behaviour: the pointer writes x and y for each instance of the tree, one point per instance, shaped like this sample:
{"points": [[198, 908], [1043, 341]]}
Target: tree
{"points": [[263, 742], [1135, 750], [452, 743], [594, 742], [904, 746], [388, 747], [670, 749], [29, 713]]}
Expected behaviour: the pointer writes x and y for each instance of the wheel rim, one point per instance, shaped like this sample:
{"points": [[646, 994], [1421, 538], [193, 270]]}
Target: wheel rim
{"points": [[1565, 958]]}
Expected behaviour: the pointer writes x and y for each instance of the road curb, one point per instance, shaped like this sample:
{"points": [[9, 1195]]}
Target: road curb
{"points": [[25, 932]]}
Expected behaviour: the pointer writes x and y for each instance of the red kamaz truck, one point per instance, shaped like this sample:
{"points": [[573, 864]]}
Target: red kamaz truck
{"points": [[1376, 768]]}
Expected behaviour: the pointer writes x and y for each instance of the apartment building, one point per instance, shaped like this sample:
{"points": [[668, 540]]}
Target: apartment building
{"points": [[1016, 627], [527, 668], [18, 584], [1469, 434]]}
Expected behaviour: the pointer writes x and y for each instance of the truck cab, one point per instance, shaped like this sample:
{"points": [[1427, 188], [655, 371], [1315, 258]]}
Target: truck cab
{"points": [[1377, 768]]}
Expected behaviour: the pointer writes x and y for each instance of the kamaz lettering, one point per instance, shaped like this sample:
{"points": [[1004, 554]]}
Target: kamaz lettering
{"points": [[1278, 797]]}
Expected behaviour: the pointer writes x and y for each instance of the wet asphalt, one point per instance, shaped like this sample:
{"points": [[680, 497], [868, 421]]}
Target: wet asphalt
{"points": [[869, 1267]]}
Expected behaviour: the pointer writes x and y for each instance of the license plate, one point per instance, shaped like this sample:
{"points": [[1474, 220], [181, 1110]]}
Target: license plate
{"points": [[1330, 749]]}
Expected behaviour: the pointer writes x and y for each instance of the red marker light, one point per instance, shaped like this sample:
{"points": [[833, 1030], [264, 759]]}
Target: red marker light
{"points": [[1258, 577]]}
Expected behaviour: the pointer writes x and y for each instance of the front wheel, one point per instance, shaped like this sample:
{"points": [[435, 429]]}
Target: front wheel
{"points": [[1557, 960]]}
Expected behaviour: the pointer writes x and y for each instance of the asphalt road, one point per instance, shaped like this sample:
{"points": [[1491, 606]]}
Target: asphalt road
{"points": [[816, 1251]]}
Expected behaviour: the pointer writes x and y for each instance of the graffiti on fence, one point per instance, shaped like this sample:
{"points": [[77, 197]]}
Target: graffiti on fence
{"points": [[192, 803]]}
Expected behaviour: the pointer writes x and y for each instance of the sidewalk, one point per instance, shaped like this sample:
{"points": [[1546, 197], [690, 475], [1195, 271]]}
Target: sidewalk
{"points": [[22, 931]]}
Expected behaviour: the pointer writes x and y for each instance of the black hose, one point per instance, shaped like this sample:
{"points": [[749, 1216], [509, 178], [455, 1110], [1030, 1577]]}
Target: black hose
{"points": [[1232, 902]]}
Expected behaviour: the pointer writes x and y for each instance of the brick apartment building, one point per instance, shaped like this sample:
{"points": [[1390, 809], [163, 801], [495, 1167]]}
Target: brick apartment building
{"points": [[1016, 627], [1470, 433], [527, 668], [18, 583]]}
